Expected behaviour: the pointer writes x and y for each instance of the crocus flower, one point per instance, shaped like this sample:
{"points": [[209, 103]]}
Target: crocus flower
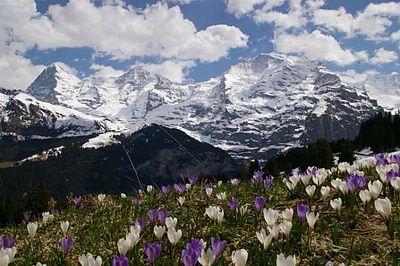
{"points": [[89, 260], [181, 200], [365, 196], [162, 215], [165, 189], [381, 159], [101, 197], [257, 177], [76, 201], [233, 204], [32, 228], [180, 188], [259, 203], [191, 254], [221, 196], [153, 251], [239, 257], [325, 192], [355, 182], [47, 217], [66, 244], [120, 260], [311, 219], [311, 190], [287, 214], [159, 231], [282, 261], [7, 242], [64, 227], [153, 215], [285, 227], [141, 223], [375, 188], [274, 230], [193, 179], [215, 213], [270, 216], [209, 191], [264, 239], [208, 185], [268, 181], [395, 158], [391, 174], [123, 246], [149, 188], [174, 235], [7, 255], [217, 246], [302, 210], [243, 210], [384, 207], [395, 182], [171, 222], [235, 182], [27, 216], [336, 204], [206, 258]]}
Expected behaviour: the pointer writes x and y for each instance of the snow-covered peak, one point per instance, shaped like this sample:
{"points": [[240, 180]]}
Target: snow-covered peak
{"points": [[136, 75]]}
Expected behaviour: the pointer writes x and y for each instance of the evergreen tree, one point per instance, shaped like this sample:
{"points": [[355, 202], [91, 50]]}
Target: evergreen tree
{"points": [[253, 166], [38, 200], [271, 167], [346, 151]]}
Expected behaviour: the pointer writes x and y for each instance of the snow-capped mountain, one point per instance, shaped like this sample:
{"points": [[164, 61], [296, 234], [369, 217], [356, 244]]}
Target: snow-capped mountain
{"points": [[256, 108]]}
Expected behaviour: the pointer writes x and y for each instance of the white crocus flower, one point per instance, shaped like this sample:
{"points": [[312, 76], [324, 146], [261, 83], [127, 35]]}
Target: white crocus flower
{"points": [[287, 214], [282, 261], [395, 182], [270, 216], [243, 210], [159, 231], [32, 228], [209, 191], [285, 227], [305, 179], [171, 222], [219, 183], [173, 235], [206, 258], [7, 255], [365, 196], [64, 227], [325, 192], [221, 196], [311, 190], [215, 213], [335, 183], [311, 219], [336, 204], [149, 188], [133, 238], [274, 231], [47, 217], [384, 207], [123, 246], [89, 260], [37, 264], [123, 196], [343, 187], [375, 188], [239, 257], [264, 239], [101, 197], [181, 200]]}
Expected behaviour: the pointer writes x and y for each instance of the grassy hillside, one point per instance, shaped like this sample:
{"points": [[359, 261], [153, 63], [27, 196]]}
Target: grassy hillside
{"points": [[355, 233]]}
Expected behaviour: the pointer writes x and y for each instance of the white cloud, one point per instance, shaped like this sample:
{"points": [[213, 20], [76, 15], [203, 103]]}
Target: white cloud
{"points": [[295, 18], [240, 7], [176, 71], [373, 22], [383, 56], [181, 2], [396, 36], [317, 46], [353, 77], [105, 71]]}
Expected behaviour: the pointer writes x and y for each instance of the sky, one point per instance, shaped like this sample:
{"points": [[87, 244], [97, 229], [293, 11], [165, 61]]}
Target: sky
{"points": [[193, 40]]}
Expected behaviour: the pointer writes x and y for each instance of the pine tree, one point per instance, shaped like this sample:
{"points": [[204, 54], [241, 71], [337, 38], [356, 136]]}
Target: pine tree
{"points": [[253, 166]]}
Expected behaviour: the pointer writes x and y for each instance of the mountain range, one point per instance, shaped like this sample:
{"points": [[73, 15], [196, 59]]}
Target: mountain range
{"points": [[255, 109]]}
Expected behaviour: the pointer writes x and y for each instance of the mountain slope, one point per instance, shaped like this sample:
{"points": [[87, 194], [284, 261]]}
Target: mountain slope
{"points": [[258, 107]]}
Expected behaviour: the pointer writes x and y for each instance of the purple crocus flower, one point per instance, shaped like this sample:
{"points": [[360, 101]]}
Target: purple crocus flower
{"points": [[120, 260], [233, 204], [153, 215], [355, 181], [136, 200], [27, 216], [76, 201], [191, 254], [66, 244], [217, 246], [268, 181], [235, 182], [162, 215], [257, 177], [391, 174], [209, 185], [165, 189], [395, 158], [302, 210], [312, 170], [259, 203], [180, 188], [153, 251], [381, 159], [142, 223], [193, 179], [7, 242]]}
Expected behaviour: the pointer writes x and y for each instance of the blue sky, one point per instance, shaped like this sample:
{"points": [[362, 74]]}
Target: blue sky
{"points": [[189, 40]]}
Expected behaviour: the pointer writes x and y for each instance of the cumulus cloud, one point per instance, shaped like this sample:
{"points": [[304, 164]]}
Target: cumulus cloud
{"points": [[240, 7], [176, 71], [317, 46], [353, 77], [383, 56], [105, 71], [114, 29]]}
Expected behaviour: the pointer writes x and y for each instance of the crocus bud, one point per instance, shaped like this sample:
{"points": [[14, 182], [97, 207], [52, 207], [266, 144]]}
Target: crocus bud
{"points": [[384, 207], [239, 257]]}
